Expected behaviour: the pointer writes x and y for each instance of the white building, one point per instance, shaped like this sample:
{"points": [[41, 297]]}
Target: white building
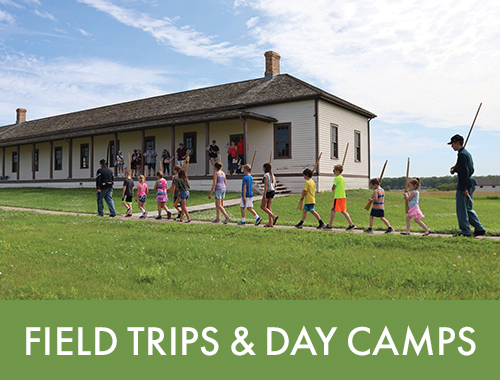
{"points": [[277, 115]]}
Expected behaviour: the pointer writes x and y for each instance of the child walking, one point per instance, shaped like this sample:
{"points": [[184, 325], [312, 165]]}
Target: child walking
{"points": [[128, 192], [414, 211], [175, 192], [219, 185], [378, 206], [247, 196], [142, 193], [269, 192], [309, 197], [183, 186], [339, 198], [161, 195]]}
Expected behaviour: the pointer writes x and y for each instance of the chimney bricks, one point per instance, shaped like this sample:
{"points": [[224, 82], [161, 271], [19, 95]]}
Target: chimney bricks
{"points": [[272, 64], [21, 115]]}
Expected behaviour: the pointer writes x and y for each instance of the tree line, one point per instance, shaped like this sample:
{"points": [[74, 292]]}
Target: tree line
{"points": [[444, 183]]}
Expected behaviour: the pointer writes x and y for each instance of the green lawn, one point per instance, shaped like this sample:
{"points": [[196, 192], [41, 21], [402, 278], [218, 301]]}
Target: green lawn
{"points": [[82, 200], [72, 257]]}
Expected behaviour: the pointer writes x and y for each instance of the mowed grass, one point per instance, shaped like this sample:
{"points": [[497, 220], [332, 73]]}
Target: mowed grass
{"points": [[85, 257], [83, 200]]}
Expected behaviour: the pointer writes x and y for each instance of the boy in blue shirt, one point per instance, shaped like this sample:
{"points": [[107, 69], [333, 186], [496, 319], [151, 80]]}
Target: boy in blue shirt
{"points": [[247, 196]]}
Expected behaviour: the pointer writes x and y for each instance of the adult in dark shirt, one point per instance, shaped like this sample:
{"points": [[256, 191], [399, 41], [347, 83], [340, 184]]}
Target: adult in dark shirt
{"points": [[465, 189], [181, 154], [213, 153], [104, 184]]}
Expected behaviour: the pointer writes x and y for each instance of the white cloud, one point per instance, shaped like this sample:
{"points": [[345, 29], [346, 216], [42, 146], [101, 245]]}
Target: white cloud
{"points": [[46, 15], [408, 61], [185, 40], [84, 32], [6, 17], [71, 85], [252, 22]]}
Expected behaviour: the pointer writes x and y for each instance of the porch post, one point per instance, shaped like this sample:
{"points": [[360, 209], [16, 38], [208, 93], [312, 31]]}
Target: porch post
{"points": [[116, 153], [18, 162], [51, 160], [70, 158], [173, 151], [207, 142], [33, 161], [91, 166], [245, 136], [3, 164]]}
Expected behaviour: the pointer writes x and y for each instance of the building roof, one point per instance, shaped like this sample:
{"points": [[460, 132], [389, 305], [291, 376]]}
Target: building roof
{"points": [[488, 181], [221, 102]]}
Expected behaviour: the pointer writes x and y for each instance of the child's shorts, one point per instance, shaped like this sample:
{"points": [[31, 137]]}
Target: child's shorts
{"points": [[127, 199], [377, 213], [249, 202], [220, 194], [339, 205], [184, 195], [270, 194], [142, 199], [309, 207]]}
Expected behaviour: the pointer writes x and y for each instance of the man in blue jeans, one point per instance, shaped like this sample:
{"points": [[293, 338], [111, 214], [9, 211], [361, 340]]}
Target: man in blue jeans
{"points": [[465, 189], [104, 184]]}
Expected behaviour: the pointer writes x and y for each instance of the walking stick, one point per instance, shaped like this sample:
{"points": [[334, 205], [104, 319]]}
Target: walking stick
{"points": [[470, 131], [367, 207], [299, 207], [271, 157], [253, 159], [406, 184], [345, 155]]}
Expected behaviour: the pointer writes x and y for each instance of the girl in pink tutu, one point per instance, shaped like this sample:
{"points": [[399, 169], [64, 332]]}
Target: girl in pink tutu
{"points": [[414, 210]]}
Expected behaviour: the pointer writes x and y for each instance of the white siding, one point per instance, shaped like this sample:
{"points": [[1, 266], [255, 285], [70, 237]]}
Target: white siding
{"points": [[303, 136], [43, 161], [348, 122]]}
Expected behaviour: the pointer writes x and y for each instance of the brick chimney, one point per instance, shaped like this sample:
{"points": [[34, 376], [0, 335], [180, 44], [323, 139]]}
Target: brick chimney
{"points": [[21, 115], [272, 65]]}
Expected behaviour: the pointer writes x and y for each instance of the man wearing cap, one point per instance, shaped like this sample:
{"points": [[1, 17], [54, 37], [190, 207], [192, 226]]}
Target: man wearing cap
{"points": [[104, 183], [465, 189], [151, 159]]}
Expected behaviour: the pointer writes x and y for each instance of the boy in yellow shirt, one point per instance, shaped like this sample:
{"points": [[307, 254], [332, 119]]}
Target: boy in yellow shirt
{"points": [[309, 198]]}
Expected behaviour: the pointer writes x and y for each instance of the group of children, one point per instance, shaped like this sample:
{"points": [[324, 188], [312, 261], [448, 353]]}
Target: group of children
{"points": [[377, 201], [180, 189]]}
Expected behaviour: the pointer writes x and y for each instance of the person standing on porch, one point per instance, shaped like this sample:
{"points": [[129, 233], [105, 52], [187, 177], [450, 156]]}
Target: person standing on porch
{"points": [[181, 154], [241, 154], [213, 153], [151, 159], [104, 183], [232, 158]]}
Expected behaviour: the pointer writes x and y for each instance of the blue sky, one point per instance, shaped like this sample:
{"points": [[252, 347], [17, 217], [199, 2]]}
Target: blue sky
{"points": [[422, 66]]}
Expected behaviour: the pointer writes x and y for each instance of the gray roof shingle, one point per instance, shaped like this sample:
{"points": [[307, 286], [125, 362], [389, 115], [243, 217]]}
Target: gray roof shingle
{"points": [[205, 104]]}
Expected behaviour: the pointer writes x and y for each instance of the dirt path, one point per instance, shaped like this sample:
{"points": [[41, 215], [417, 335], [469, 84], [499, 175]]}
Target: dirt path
{"points": [[135, 218]]}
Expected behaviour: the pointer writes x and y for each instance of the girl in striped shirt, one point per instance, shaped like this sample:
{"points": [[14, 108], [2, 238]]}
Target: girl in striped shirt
{"points": [[378, 206]]}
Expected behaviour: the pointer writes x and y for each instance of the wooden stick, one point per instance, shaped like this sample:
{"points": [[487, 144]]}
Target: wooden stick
{"points": [[472, 126], [345, 155], [271, 157], [253, 159], [406, 183], [369, 204], [299, 207]]}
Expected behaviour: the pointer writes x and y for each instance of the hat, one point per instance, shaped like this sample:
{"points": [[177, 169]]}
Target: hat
{"points": [[119, 151], [456, 138], [102, 162]]}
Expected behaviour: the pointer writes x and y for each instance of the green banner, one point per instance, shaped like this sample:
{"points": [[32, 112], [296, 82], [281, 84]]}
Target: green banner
{"points": [[249, 339]]}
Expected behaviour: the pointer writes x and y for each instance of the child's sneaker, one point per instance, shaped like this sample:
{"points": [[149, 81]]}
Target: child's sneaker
{"points": [[169, 215], [350, 228], [328, 227], [369, 231], [299, 225], [188, 221], [241, 223], [267, 225], [321, 225], [142, 216], [227, 220], [158, 217], [389, 230], [257, 222], [275, 220], [215, 221]]}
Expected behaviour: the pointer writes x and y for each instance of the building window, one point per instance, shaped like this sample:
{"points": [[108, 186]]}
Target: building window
{"points": [[84, 156], [36, 155], [14, 162], [282, 140], [58, 158], [357, 146], [150, 142], [335, 140], [190, 144]]}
